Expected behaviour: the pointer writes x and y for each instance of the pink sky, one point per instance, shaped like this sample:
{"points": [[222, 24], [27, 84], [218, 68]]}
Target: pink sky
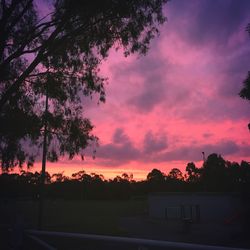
{"points": [[164, 109]]}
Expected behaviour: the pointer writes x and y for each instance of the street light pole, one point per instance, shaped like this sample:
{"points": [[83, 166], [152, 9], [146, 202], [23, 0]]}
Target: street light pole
{"points": [[42, 178]]}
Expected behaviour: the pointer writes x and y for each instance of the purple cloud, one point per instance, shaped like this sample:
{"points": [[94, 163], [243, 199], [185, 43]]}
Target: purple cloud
{"points": [[120, 137], [120, 151], [194, 153], [154, 144], [210, 22]]}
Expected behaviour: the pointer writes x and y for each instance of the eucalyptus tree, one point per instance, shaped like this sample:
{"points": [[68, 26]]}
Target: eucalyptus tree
{"points": [[56, 52]]}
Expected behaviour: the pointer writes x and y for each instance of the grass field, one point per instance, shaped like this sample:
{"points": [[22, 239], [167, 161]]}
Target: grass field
{"points": [[98, 217]]}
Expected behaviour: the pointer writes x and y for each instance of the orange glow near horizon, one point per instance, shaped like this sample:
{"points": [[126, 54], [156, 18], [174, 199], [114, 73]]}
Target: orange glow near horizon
{"points": [[139, 173]]}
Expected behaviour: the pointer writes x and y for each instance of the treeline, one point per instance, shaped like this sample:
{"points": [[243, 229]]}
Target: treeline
{"points": [[216, 175]]}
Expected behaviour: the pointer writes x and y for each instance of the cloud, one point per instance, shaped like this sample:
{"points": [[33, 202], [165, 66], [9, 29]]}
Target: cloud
{"points": [[120, 137], [194, 152], [155, 149], [151, 96], [120, 151], [207, 135], [147, 78], [153, 144], [203, 22], [189, 83]]}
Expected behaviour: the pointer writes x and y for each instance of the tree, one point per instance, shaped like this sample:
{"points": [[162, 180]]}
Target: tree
{"points": [[58, 56], [81, 176], [245, 92], [127, 177], [156, 176], [214, 174], [245, 173], [192, 172], [59, 177], [175, 174]]}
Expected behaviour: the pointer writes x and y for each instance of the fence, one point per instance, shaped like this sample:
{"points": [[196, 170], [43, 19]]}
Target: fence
{"points": [[113, 242]]}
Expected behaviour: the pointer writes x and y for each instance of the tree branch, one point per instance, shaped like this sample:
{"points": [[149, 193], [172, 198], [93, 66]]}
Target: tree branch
{"points": [[24, 44], [14, 87]]}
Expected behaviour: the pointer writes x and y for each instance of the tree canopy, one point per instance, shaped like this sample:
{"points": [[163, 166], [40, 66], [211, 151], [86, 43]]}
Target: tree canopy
{"points": [[58, 55]]}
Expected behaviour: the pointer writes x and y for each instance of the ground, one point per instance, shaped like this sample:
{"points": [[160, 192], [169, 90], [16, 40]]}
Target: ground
{"points": [[117, 218]]}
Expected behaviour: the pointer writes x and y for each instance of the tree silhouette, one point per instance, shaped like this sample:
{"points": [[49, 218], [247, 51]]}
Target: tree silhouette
{"points": [[59, 177], [156, 176], [214, 173], [127, 177], [245, 173], [245, 92], [193, 173], [81, 176], [175, 174], [59, 55]]}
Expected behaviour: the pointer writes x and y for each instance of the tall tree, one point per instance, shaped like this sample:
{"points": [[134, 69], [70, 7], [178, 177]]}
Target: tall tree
{"points": [[214, 174], [58, 55]]}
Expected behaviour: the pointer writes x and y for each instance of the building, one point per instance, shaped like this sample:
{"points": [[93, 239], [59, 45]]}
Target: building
{"points": [[196, 207]]}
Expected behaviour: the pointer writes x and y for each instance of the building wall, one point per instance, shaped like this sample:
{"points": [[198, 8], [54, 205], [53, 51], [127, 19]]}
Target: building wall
{"points": [[197, 206]]}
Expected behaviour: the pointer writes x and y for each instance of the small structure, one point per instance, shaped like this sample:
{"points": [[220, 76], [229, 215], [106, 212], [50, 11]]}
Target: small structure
{"points": [[194, 207]]}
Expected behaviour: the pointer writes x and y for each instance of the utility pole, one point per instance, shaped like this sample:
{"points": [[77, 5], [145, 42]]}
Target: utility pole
{"points": [[42, 178], [204, 158]]}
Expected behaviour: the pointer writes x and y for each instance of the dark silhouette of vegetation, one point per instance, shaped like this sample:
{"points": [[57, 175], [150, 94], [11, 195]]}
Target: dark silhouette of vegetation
{"points": [[58, 55], [245, 92], [216, 175], [193, 173]]}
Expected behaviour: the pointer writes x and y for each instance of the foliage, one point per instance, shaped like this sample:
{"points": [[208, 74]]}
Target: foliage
{"points": [[213, 172], [155, 176], [216, 175], [58, 55], [193, 173], [175, 174], [245, 91]]}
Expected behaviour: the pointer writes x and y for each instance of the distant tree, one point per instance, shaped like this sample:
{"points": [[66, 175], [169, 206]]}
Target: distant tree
{"points": [[97, 178], [245, 173], [82, 176], [234, 174], [175, 174], [29, 177], [58, 56], [193, 173], [214, 174], [118, 179], [245, 92], [156, 176], [127, 177], [59, 177]]}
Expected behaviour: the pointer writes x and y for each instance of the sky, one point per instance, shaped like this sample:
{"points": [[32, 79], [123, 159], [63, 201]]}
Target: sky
{"points": [[164, 109]]}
